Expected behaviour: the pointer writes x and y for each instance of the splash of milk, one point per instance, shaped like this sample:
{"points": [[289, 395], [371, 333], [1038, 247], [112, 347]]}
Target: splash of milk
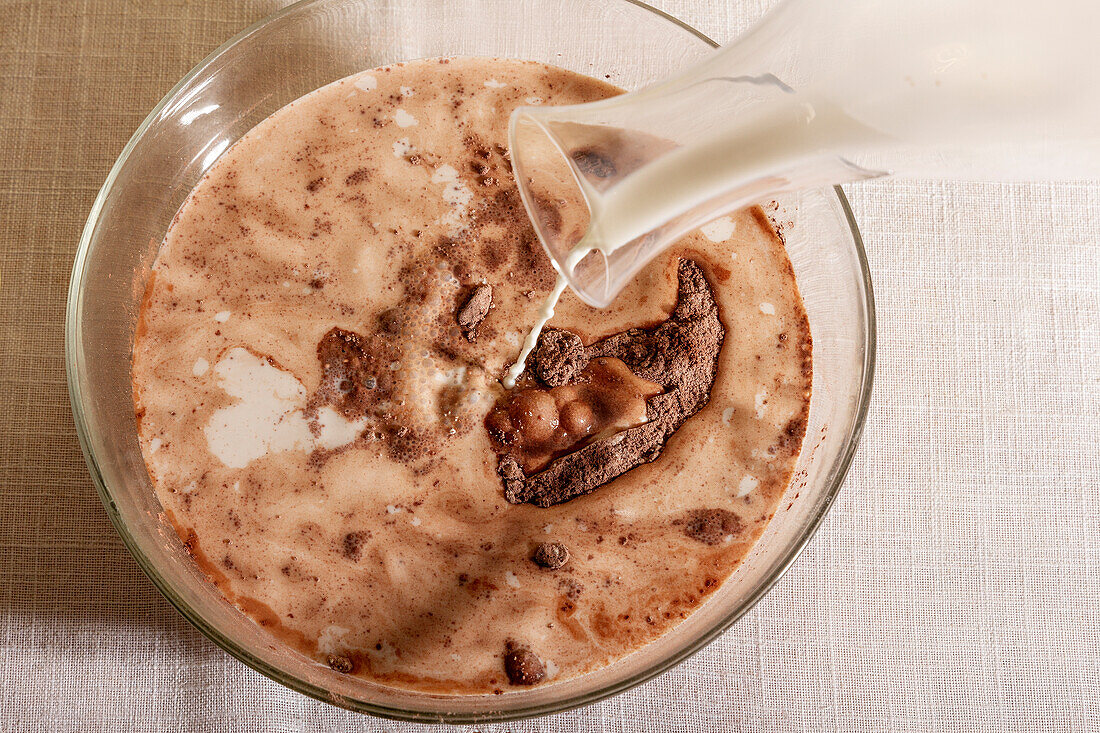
{"points": [[269, 414], [546, 312], [458, 195]]}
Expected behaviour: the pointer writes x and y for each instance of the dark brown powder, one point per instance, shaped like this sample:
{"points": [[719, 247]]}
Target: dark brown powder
{"points": [[550, 555], [680, 355], [474, 310], [522, 665], [711, 526]]}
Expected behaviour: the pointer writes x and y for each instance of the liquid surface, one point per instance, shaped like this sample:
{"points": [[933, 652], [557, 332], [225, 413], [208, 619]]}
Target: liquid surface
{"points": [[313, 375]]}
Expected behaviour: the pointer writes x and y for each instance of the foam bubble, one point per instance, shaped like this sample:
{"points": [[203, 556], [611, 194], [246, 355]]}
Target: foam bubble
{"points": [[450, 377], [366, 82], [767, 309], [221, 316], [200, 367], [404, 119], [494, 84]]}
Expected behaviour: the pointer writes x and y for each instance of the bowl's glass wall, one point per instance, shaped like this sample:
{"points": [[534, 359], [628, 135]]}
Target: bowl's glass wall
{"points": [[305, 47]]}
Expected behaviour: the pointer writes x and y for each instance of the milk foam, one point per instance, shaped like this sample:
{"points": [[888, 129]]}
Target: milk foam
{"points": [[268, 416]]}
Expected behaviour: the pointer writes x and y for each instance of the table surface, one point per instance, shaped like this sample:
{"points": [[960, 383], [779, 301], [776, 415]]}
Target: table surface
{"points": [[954, 585]]}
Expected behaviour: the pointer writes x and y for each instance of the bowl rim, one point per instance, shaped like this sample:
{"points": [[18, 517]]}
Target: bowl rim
{"points": [[74, 368]]}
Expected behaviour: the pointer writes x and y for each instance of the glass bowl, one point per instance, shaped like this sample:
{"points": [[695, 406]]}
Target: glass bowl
{"points": [[311, 44]]}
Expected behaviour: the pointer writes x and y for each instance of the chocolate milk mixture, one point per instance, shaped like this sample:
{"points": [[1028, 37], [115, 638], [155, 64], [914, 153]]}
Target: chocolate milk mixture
{"points": [[318, 371]]}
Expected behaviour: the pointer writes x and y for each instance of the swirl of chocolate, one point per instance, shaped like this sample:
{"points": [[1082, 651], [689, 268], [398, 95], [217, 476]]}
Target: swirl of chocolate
{"points": [[680, 356]]}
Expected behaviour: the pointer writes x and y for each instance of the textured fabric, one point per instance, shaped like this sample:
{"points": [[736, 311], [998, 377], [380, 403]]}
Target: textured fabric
{"points": [[953, 586]]}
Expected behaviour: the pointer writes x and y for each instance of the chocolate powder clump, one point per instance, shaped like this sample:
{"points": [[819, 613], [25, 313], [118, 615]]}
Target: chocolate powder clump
{"points": [[353, 544], [348, 369], [559, 357], [522, 665], [711, 526], [341, 664], [474, 310], [679, 355], [551, 555]]}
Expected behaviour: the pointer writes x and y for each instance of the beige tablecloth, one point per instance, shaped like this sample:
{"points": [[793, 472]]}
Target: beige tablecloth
{"points": [[955, 585]]}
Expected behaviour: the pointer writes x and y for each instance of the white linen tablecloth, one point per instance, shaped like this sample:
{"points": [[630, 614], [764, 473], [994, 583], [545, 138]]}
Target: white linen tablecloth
{"points": [[955, 585]]}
